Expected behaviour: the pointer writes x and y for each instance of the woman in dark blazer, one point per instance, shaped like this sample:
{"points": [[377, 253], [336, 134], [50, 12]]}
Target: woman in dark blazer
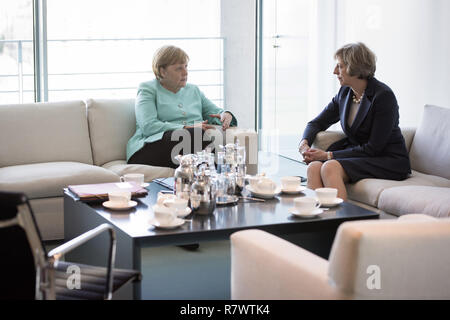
{"points": [[368, 112]]}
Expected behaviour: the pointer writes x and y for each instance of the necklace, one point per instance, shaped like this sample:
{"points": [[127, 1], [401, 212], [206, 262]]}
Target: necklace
{"points": [[357, 100]]}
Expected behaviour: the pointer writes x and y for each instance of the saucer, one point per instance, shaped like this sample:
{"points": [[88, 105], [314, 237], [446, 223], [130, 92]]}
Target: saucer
{"points": [[310, 214], [174, 224], [145, 185], [264, 195], [333, 203], [227, 200], [299, 189], [109, 205], [186, 212]]}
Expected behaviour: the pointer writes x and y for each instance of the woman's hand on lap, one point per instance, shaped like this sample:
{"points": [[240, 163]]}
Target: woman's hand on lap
{"points": [[225, 118]]}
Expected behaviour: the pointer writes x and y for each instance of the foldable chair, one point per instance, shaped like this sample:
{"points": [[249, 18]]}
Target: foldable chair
{"points": [[28, 272]]}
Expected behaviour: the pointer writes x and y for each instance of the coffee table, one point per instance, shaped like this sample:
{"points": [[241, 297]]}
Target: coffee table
{"points": [[170, 272], [135, 234]]}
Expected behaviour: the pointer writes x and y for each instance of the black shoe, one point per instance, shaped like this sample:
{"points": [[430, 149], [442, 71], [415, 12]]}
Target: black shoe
{"points": [[189, 247]]}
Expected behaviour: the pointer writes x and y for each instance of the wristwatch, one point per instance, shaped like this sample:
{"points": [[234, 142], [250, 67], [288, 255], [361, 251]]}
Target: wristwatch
{"points": [[329, 155]]}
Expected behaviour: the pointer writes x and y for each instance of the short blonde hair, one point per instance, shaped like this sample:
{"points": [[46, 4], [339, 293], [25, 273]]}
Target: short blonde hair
{"points": [[359, 59], [166, 56]]}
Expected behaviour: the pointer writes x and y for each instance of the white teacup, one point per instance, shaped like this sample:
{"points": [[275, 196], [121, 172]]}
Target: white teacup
{"points": [[119, 198], [135, 177], [177, 204], [163, 214], [290, 183], [306, 204], [253, 181], [163, 197], [326, 195], [265, 185]]}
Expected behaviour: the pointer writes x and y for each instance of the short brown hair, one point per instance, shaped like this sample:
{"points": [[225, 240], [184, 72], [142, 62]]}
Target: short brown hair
{"points": [[359, 59], [166, 56]]}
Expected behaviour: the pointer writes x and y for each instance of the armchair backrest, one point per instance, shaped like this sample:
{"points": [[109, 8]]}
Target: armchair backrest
{"points": [[392, 259]]}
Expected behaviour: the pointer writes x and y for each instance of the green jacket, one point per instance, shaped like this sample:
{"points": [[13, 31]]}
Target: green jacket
{"points": [[159, 110]]}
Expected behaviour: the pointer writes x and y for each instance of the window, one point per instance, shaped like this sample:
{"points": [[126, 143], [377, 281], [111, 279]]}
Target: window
{"points": [[291, 65], [104, 48], [298, 39], [16, 51]]}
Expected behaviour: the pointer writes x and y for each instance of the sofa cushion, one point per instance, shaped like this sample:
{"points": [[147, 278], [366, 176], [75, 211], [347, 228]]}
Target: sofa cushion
{"points": [[433, 201], [42, 132], [368, 190], [430, 150], [111, 125], [120, 167], [43, 180]]}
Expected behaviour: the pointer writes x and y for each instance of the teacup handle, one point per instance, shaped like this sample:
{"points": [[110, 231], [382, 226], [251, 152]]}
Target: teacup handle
{"points": [[122, 179], [318, 204], [167, 205]]}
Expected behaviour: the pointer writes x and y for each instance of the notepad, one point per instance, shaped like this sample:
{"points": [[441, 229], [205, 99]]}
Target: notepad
{"points": [[99, 191]]}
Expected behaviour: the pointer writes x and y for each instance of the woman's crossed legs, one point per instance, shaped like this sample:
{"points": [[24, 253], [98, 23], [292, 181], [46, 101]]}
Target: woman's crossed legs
{"points": [[328, 174]]}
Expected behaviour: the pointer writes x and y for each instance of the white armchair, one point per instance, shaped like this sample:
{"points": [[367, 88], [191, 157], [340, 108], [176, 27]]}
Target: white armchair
{"points": [[407, 258]]}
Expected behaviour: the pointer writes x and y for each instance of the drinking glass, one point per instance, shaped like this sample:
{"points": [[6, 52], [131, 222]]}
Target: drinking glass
{"points": [[221, 186], [231, 184], [241, 171], [221, 164], [240, 155]]}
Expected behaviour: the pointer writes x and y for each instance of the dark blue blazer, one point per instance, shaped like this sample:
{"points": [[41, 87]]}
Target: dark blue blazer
{"points": [[375, 132]]}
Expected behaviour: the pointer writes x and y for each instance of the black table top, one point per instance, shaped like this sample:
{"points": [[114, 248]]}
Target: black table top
{"points": [[272, 215]]}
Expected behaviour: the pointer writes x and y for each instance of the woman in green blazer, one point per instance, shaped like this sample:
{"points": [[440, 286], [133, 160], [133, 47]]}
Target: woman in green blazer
{"points": [[168, 104]]}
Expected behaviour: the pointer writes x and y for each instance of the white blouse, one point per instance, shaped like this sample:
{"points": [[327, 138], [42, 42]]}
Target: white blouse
{"points": [[352, 113]]}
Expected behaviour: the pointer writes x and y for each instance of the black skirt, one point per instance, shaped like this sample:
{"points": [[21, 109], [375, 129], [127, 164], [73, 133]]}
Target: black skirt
{"points": [[159, 153], [375, 167]]}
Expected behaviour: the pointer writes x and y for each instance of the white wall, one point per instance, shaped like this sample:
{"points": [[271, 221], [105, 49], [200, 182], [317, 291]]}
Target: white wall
{"points": [[411, 39], [238, 27]]}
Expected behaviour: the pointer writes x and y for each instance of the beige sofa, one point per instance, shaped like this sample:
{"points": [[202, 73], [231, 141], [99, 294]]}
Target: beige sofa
{"points": [[405, 258], [427, 190], [45, 147]]}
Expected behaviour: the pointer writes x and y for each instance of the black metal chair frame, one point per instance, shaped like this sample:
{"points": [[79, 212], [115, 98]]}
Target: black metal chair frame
{"points": [[47, 263]]}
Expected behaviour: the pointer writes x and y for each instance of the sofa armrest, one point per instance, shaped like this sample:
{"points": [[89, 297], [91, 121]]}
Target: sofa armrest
{"points": [[408, 133], [264, 266], [325, 138]]}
